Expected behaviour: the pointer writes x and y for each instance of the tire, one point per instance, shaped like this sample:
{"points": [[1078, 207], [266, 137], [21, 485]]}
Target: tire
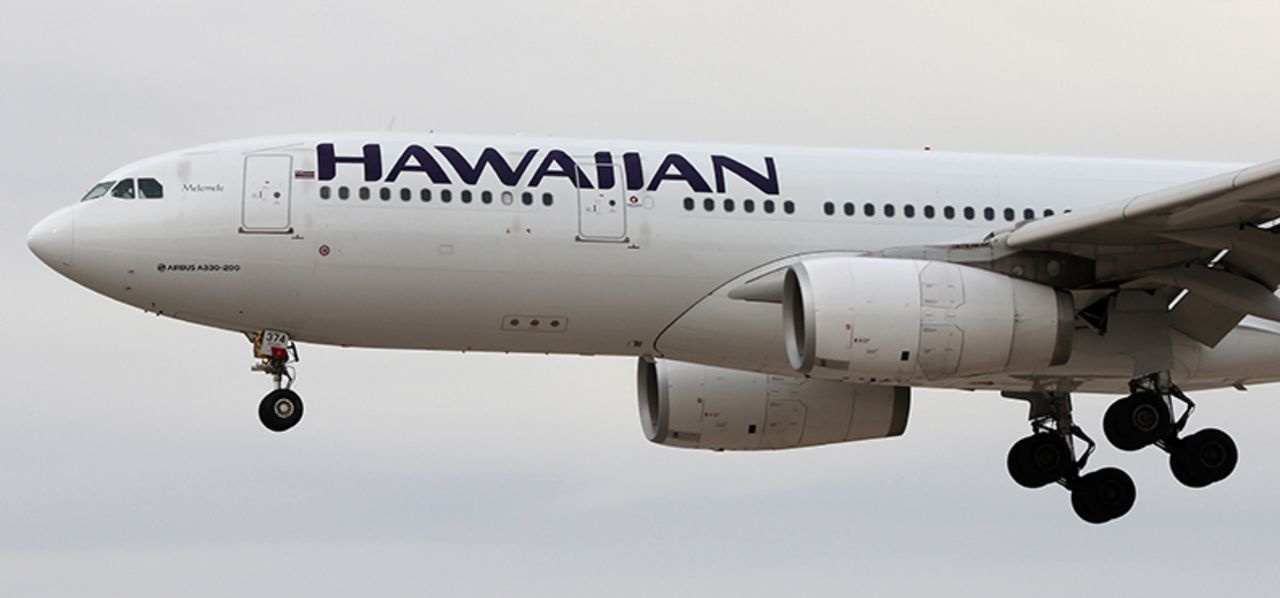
{"points": [[1039, 460], [1137, 421], [1203, 458], [1103, 495], [280, 410]]}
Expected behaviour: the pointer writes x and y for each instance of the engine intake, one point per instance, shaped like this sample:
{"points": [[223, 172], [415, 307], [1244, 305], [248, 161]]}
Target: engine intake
{"points": [[902, 321], [694, 406]]}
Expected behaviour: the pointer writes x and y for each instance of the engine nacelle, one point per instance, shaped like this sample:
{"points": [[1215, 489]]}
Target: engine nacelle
{"points": [[903, 321], [695, 406]]}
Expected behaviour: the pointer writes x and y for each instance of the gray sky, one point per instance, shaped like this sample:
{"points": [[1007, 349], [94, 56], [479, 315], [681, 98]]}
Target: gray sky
{"points": [[131, 458]]}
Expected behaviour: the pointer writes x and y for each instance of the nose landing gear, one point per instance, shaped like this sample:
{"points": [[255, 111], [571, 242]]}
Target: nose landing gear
{"points": [[281, 409], [1145, 418], [1048, 455]]}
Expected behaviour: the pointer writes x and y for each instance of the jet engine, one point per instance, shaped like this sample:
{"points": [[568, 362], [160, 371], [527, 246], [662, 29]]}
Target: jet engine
{"points": [[902, 321], [694, 406]]}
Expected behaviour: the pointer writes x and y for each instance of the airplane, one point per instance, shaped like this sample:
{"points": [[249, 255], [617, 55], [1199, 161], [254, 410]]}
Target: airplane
{"points": [[774, 297]]}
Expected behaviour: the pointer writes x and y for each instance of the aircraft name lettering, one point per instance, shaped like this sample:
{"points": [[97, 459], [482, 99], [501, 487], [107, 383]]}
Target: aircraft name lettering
{"points": [[447, 164]]}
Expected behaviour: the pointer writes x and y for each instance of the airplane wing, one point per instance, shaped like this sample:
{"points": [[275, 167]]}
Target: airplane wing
{"points": [[1211, 241]]}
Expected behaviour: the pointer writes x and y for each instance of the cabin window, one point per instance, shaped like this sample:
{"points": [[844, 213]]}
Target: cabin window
{"points": [[728, 205], [547, 199], [466, 196], [929, 212], [425, 195], [150, 189], [1048, 213], [989, 213], [97, 191], [1028, 214], [343, 193], [749, 205], [446, 196], [768, 206], [486, 197], [123, 189], [869, 209], [406, 194], [909, 211], [688, 204], [789, 207], [888, 210], [526, 198], [1009, 214], [949, 213], [849, 208], [969, 212], [364, 193], [709, 204], [325, 192], [508, 198], [829, 208], [385, 194]]}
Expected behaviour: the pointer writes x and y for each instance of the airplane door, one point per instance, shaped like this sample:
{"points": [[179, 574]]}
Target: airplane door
{"points": [[602, 213], [266, 203]]}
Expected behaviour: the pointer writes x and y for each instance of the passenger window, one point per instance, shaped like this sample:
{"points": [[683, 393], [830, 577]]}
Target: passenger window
{"points": [[1048, 213], [909, 211], [486, 197], [325, 192], [1028, 214], [508, 198], [949, 213], [789, 207], [425, 195], [446, 196], [688, 204], [849, 208], [989, 213], [466, 196], [768, 206], [929, 212], [1009, 214], [150, 189], [888, 210], [728, 205], [406, 194], [97, 191], [547, 199], [123, 190], [343, 193], [968, 213], [526, 198], [709, 204], [749, 205], [829, 208], [364, 193], [869, 209], [385, 194]]}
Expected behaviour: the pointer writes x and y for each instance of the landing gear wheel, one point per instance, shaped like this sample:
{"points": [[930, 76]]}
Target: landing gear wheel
{"points": [[1039, 460], [1103, 495], [1137, 421], [280, 410], [1203, 458]]}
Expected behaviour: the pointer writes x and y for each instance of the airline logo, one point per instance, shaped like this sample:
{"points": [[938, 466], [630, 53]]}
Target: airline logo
{"points": [[444, 165]]}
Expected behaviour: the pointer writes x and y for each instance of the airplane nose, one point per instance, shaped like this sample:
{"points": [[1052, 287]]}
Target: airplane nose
{"points": [[53, 239]]}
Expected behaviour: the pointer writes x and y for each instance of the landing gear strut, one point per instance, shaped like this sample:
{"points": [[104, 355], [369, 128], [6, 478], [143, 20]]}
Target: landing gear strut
{"points": [[1048, 456], [281, 409], [1145, 418]]}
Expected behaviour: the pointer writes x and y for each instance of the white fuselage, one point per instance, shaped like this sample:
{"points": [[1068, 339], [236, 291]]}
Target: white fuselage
{"points": [[630, 256]]}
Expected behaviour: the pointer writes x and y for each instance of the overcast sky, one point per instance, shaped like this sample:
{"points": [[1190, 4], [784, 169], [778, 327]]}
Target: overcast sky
{"points": [[132, 461]]}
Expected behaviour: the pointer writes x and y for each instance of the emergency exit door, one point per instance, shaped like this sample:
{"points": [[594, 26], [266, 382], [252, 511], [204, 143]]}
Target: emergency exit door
{"points": [[602, 213], [265, 207]]}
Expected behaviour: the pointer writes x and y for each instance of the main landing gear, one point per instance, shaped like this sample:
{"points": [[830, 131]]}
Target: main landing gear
{"points": [[1145, 418], [1048, 456], [1142, 419], [281, 409]]}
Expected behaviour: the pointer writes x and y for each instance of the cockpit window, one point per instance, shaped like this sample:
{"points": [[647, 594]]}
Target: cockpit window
{"points": [[123, 189], [150, 188], [97, 191]]}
